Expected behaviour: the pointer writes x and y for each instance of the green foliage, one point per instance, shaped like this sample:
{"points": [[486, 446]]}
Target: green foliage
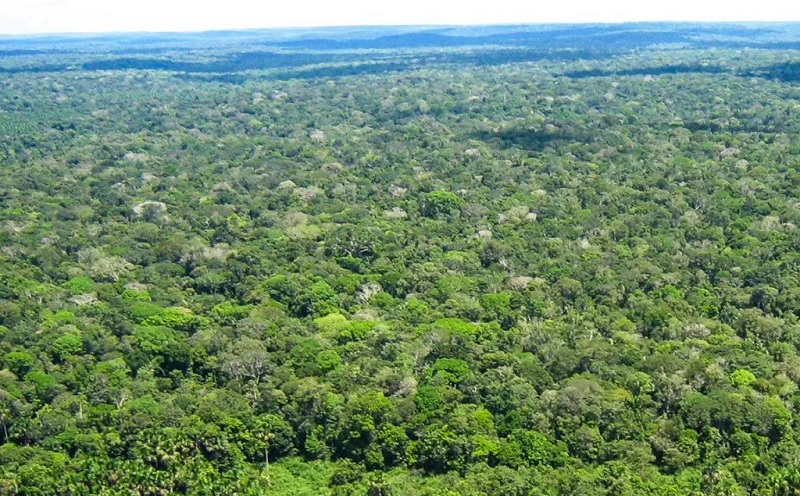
{"points": [[457, 327], [742, 378], [429, 398], [452, 370], [334, 325], [142, 310], [175, 318], [79, 285], [67, 345], [328, 360], [229, 311], [304, 357], [154, 339], [518, 268], [19, 362], [439, 203], [537, 449], [136, 295]]}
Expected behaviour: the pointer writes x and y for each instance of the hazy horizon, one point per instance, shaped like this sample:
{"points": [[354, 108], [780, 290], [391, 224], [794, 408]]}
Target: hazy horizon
{"points": [[41, 17]]}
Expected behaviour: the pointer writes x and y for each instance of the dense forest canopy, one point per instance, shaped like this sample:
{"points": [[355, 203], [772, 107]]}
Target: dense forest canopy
{"points": [[510, 260]]}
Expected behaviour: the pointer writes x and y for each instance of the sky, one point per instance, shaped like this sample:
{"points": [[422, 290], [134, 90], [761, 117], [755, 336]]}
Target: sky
{"points": [[61, 16]]}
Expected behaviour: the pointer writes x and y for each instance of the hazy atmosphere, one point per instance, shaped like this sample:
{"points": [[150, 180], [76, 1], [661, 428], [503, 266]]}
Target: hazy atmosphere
{"points": [[54, 16]]}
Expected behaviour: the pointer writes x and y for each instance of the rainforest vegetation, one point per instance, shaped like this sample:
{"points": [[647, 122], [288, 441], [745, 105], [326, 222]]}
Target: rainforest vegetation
{"points": [[458, 261]]}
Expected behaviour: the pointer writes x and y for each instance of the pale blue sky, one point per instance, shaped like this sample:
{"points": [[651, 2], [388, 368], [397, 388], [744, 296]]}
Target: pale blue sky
{"points": [[51, 16]]}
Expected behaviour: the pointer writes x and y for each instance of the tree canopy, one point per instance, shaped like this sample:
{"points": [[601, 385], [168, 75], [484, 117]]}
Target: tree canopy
{"points": [[523, 261]]}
